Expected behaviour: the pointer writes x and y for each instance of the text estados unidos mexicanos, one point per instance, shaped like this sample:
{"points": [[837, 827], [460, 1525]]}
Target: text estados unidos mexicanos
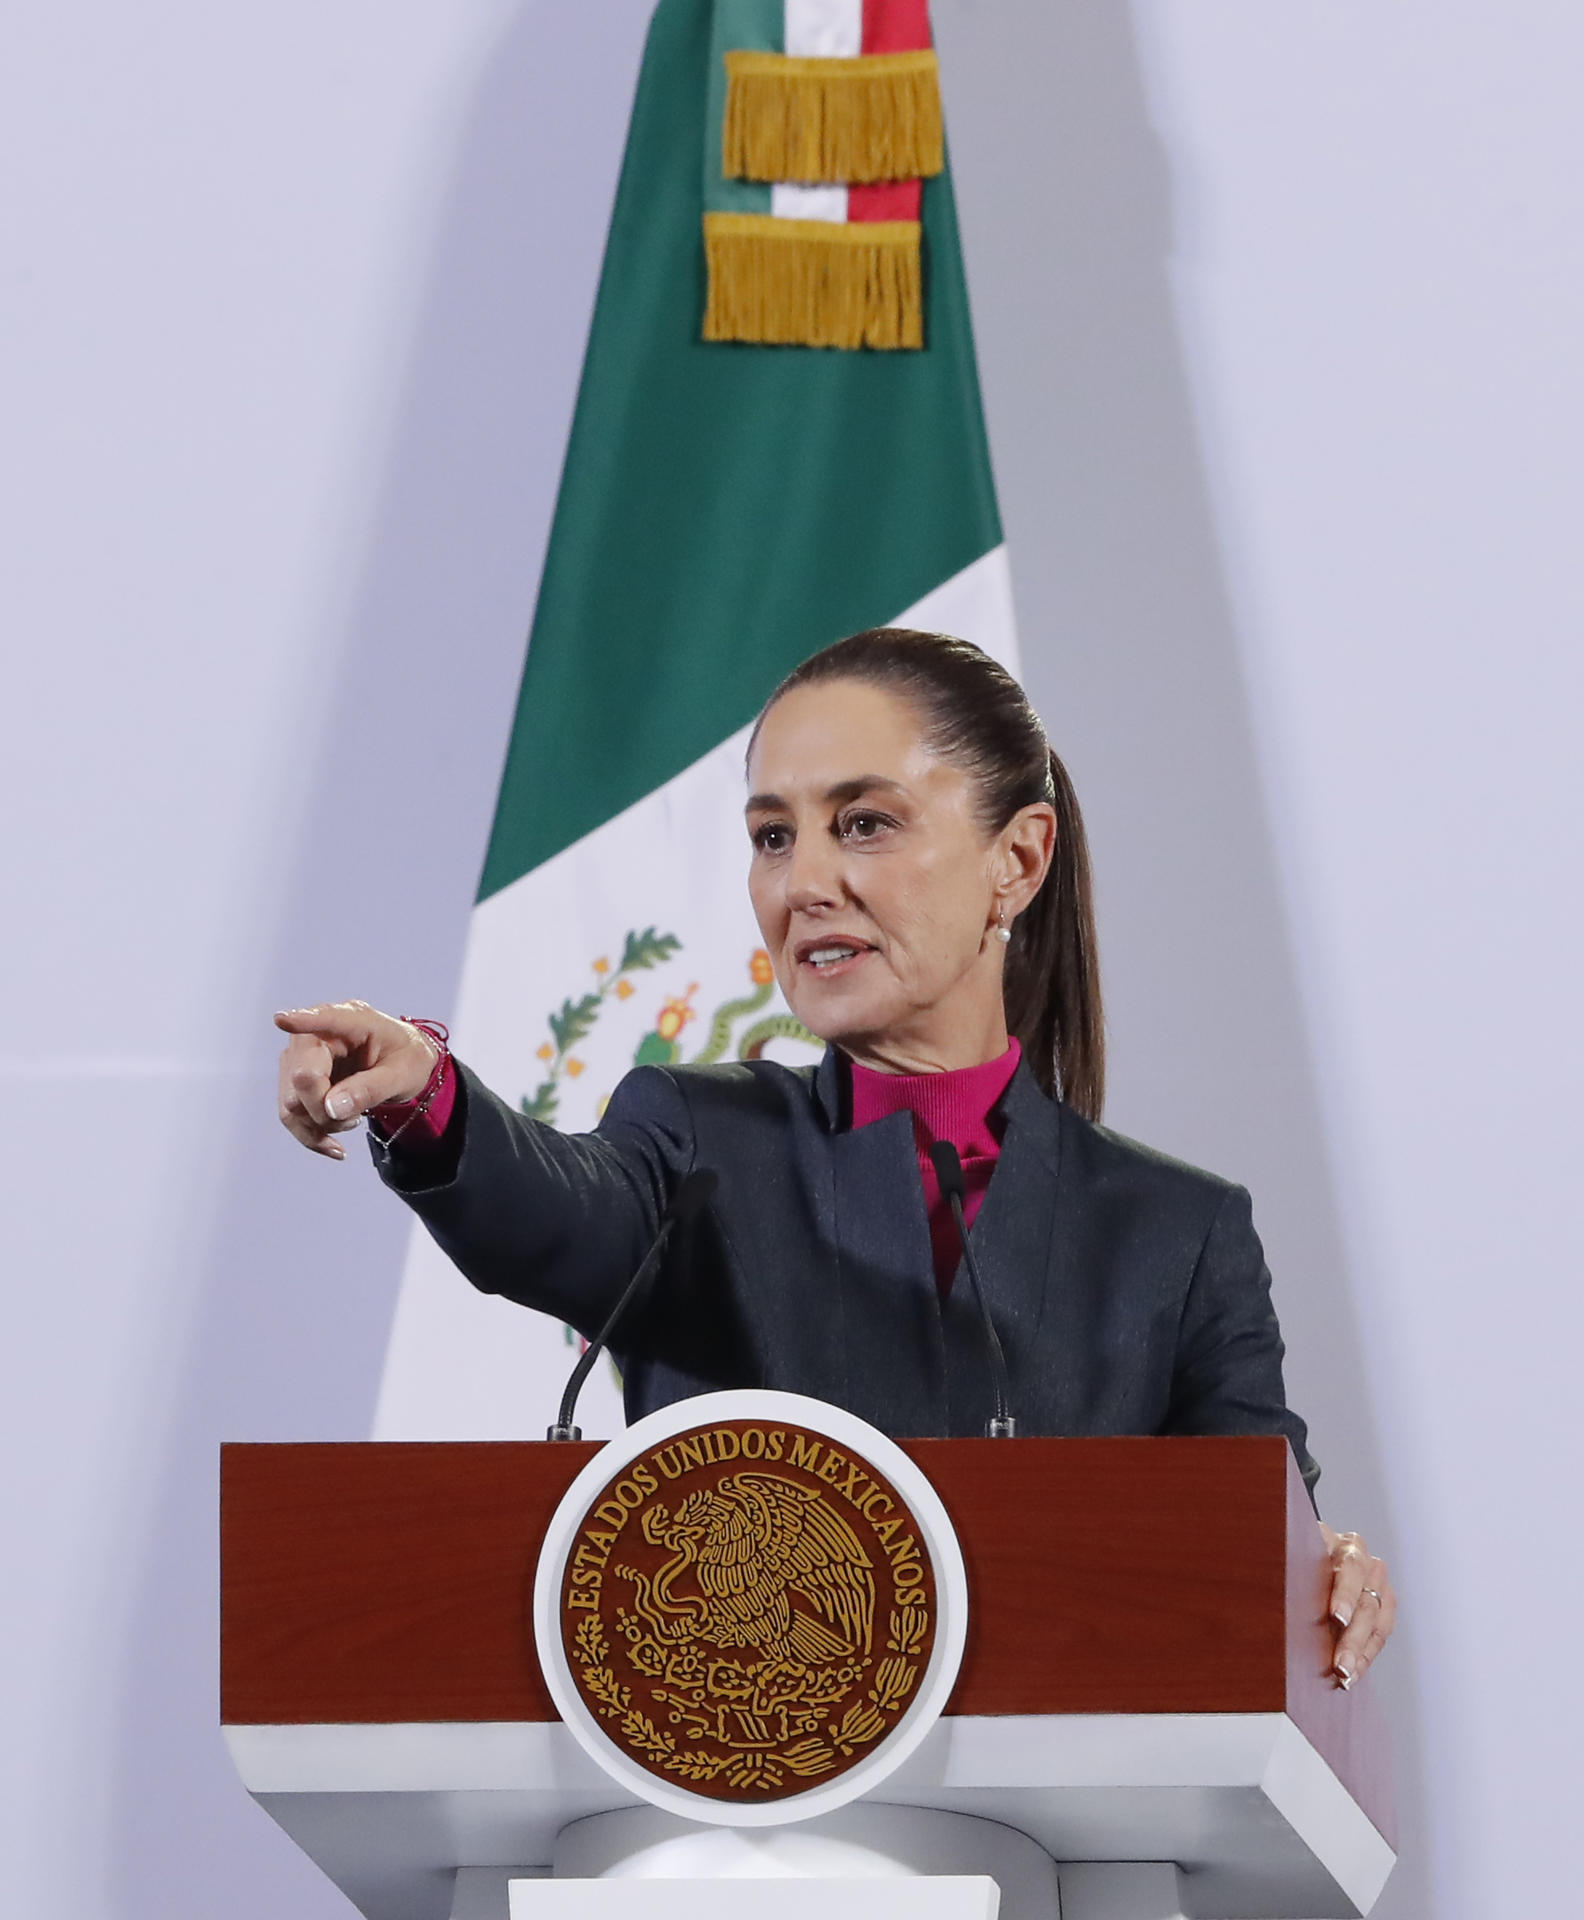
{"points": [[604, 1527]]}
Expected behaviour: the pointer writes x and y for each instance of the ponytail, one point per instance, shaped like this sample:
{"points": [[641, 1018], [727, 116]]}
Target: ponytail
{"points": [[1053, 967], [974, 713]]}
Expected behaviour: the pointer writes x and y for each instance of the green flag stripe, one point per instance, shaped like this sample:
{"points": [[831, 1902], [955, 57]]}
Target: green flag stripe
{"points": [[760, 24], [724, 510]]}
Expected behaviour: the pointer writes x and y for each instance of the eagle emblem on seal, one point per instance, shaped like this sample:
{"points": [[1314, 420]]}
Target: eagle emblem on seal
{"points": [[747, 1610], [760, 1562]]}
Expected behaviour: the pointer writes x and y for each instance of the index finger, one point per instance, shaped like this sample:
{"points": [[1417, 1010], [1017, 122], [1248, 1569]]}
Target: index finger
{"points": [[344, 1018]]}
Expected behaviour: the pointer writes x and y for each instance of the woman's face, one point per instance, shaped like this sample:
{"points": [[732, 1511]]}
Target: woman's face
{"points": [[874, 885]]}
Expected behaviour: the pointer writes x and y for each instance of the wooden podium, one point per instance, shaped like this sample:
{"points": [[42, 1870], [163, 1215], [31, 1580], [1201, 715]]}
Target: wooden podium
{"points": [[1144, 1679]]}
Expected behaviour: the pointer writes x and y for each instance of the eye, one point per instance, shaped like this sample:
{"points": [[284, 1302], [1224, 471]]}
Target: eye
{"points": [[774, 836], [862, 825]]}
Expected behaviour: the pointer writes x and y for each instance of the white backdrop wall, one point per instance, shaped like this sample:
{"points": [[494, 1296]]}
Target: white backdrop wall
{"points": [[1278, 312]]}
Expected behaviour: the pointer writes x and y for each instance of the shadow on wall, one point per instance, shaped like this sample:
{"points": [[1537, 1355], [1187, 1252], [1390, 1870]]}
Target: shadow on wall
{"points": [[1132, 654], [401, 756]]}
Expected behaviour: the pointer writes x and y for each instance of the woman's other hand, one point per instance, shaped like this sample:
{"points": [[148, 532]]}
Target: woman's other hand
{"points": [[1363, 1605], [341, 1060]]}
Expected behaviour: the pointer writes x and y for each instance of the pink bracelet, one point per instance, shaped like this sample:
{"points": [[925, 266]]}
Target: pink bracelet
{"points": [[439, 1036]]}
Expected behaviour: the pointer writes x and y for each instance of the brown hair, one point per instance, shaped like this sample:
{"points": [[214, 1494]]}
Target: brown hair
{"points": [[977, 715]]}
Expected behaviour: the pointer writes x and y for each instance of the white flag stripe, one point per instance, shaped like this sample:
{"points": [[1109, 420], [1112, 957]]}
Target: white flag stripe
{"points": [[462, 1365], [824, 29], [791, 201], [975, 605]]}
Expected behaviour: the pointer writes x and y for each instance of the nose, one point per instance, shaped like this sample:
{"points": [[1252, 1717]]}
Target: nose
{"points": [[813, 873]]}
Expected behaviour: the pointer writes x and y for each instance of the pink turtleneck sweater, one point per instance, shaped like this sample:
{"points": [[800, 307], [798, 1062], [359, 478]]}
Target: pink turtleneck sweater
{"points": [[954, 1106]]}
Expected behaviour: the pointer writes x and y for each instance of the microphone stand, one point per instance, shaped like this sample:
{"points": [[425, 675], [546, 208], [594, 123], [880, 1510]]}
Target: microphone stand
{"points": [[693, 1193], [949, 1174]]}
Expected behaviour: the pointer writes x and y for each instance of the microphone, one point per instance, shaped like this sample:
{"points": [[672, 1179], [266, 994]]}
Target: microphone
{"points": [[949, 1173], [693, 1193]]}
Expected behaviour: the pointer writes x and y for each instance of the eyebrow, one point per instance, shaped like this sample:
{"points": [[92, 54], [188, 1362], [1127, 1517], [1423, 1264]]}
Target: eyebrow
{"points": [[843, 790]]}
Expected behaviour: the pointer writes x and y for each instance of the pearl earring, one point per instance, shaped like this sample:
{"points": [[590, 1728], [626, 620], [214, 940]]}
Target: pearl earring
{"points": [[1003, 931]]}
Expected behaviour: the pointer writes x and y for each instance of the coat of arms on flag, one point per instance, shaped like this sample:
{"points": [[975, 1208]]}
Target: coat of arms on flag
{"points": [[741, 1028], [823, 122]]}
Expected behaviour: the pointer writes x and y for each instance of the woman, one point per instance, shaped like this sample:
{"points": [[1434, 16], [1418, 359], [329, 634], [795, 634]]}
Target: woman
{"points": [[920, 878]]}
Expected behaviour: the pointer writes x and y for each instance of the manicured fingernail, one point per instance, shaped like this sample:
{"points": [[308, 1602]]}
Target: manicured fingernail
{"points": [[338, 1105], [336, 1153], [1345, 1675], [1342, 1615]]}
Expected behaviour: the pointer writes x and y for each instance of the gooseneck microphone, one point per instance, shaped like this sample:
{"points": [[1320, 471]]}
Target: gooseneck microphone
{"points": [[949, 1174], [693, 1193]]}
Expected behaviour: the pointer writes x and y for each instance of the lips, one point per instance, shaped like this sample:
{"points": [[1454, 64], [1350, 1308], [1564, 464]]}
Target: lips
{"points": [[830, 953]]}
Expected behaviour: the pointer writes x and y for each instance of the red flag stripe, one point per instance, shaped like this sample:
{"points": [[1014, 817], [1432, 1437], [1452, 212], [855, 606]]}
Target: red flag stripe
{"points": [[891, 26], [895, 26], [885, 200]]}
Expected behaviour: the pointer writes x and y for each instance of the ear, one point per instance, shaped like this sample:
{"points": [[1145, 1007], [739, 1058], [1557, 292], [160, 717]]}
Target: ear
{"points": [[1024, 849]]}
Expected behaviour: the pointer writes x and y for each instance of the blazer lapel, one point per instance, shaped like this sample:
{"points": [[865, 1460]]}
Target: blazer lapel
{"points": [[891, 1352]]}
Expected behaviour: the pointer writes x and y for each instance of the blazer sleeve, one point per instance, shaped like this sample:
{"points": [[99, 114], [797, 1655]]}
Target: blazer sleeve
{"points": [[1228, 1372], [551, 1220]]}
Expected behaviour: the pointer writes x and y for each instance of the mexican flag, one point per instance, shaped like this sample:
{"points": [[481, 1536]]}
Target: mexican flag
{"points": [[726, 508]]}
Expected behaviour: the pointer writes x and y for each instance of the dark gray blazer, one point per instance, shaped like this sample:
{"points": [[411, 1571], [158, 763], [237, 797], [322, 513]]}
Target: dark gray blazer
{"points": [[1129, 1290]]}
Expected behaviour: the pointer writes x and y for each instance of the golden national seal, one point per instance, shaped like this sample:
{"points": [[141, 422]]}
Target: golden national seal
{"points": [[747, 1610]]}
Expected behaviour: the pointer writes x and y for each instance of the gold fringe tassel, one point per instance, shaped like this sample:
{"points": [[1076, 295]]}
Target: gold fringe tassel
{"points": [[813, 283], [875, 117]]}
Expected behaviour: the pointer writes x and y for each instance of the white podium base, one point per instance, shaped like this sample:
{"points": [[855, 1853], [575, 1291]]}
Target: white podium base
{"points": [[955, 1898], [1126, 1890], [864, 1863], [860, 1843]]}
